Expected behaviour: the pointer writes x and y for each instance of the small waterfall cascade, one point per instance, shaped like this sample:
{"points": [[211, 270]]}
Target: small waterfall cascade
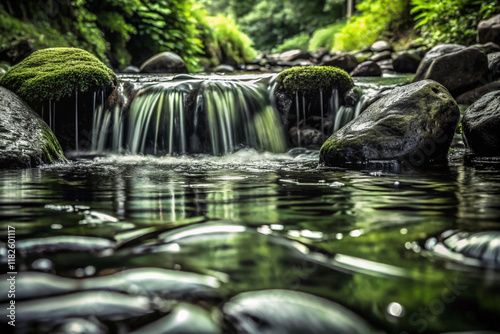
{"points": [[192, 115]]}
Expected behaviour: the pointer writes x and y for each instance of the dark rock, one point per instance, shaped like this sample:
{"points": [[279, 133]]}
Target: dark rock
{"points": [[487, 48], [184, 319], [489, 30], [309, 137], [432, 55], [480, 248], [380, 46], [406, 62], [413, 124], [131, 69], [494, 65], [367, 69], [346, 62], [165, 62], [319, 54], [422, 51], [475, 94], [25, 140], [480, 125], [286, 311], [224, 69], [457, 71], [381, 56]]}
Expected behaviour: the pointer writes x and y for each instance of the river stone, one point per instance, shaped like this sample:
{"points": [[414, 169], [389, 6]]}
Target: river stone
{"points": [[379, 56], [413, 124], [406, 62], [291, 312], [487, 48], [433, 54], [475, 94], [480, 125], [224, 69], [380, 46], [456, 70], [479, 248], [494, 65], [25, 139], [367, 69], [489, 30], [131, 70], [165, 62], [346, 62], [184, 319]]}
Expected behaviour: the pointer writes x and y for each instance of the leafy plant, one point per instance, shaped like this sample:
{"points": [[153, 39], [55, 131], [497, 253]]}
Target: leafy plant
{"points": [[325, 37], [450, 21], [299, 41]]}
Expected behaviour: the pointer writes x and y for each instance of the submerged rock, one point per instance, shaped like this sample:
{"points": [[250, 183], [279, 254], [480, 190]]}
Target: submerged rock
{"points": [[66, 243], [489, 30], [51, 74], [25, 140], [184, 319], [480, 248], [413, 124], [286, 311], [165, 62], [456, 70], [480, 125]]}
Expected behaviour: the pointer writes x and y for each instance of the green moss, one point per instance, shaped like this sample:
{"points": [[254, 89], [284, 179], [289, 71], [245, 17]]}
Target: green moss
{"points": [[51, 74], [309, 78], [332, 144], [52, 151]]}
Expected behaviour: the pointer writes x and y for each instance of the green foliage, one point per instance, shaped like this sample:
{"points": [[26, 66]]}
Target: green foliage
{"points": [[309, 78], [377, 18], [50, 74], [451, 21], [223, 40], [300, 41], [324, 38]]}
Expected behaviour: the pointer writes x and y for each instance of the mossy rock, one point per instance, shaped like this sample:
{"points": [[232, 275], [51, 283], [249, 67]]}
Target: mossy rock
{"points": [[51, 74], [314, 78]]}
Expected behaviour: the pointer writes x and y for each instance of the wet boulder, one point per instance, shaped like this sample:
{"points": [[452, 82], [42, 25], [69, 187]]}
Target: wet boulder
{"points": [[472, 248], [494, 65], [25, 140], [346, 62], [367, 69], [406, 62], [224, 69], [286, 311], [381, 46], [475, 94], [379, 56], [489, 30], [456, 70], [413, 125], [165, 62], [131, 70], [480, 125]]}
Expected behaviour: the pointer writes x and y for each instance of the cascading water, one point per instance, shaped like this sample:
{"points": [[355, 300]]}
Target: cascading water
{"points": [[203, 115]]}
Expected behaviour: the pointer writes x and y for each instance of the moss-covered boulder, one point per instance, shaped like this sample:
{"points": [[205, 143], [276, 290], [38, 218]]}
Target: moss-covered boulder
{"points": [[312, 87], [25, 139], [413, 124], [51, 74]]}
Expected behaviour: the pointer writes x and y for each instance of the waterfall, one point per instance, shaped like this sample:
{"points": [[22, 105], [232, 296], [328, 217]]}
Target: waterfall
{"points": [[192, 115]]}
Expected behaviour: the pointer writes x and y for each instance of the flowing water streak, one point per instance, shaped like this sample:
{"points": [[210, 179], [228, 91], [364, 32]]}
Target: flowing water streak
{"points": [[322, 114], [297, 107], [76, 120]]}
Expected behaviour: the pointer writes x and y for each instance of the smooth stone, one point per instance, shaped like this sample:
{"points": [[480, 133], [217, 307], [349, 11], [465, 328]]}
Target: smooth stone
{"points": [[131, 70], [224, 69], [456, 71], [478, 249], [475, 94], [165, 62], [432, 55], [26, 141], [494, 65], [487, 48], [367, 69], [294, 55], [105, 305], [145, 281], [67, 243], [252, 68], [480, 125], [184, 319], [79, 326], [489, 30], [413, 125], [380, 46], [384, 55], [346, 62], [291, 312], [406, 62]]}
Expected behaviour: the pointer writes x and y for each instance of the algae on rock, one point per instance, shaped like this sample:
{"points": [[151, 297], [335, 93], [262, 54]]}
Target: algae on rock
{"points": [[51, 74]]}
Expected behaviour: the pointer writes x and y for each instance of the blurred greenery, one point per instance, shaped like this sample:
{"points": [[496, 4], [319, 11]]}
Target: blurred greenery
{"points": [[299, 41], [324, 38]]}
